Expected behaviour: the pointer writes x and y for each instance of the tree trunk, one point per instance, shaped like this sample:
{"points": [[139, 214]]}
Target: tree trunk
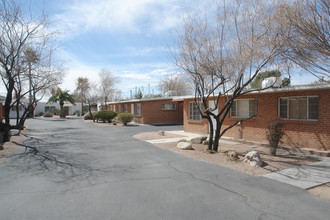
{"points": [[82, 108], [210, 144], [90, 111], [217, 136], [62, 110], [7, 109]]}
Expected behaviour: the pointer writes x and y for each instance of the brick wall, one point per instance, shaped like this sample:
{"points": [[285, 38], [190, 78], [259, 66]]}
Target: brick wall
{"points": [[298, 133], [193, 126], [152, 113]]}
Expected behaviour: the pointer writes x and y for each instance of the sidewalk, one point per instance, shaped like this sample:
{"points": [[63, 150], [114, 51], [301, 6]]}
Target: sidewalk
{"points": [[306, 176], [187, 135]]}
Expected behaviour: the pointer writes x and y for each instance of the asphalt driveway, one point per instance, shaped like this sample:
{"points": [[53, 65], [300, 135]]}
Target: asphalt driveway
{"points": [[70, 169]]}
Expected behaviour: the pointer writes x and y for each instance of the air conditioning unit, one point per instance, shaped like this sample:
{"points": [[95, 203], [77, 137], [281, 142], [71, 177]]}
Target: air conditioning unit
{"points": [[271, 82], [170, 93]]}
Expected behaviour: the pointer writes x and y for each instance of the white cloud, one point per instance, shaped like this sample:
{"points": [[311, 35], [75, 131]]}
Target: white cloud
{"points": [[135, 76], [125, 15]]}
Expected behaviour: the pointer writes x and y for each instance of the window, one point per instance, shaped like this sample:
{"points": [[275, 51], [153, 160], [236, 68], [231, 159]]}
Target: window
{"points": [[118, 108], [125, 108], [138, 109], [50, 109], [110, 107], [194, 114], [242, 108], [301, 108], [168, 106]]}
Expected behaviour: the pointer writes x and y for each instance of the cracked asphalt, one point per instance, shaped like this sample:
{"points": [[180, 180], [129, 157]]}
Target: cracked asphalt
{"points": [[70, 169]]}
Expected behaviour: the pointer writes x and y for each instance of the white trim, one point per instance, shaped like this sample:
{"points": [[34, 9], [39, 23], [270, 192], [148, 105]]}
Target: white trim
{"points": [[194, 104]]}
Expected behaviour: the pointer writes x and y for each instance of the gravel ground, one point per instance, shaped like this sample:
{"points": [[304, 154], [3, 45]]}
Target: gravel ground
{"points": [[283, 160]]}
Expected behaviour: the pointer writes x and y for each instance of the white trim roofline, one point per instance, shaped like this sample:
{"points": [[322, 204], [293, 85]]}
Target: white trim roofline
{"points": [[145, 100], [273, 90]]}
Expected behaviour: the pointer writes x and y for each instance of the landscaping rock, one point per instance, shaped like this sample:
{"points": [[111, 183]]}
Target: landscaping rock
{"points": [[232, 155], [185, 146], [182, 140], [198, 140], [206, 142], [253, 158], [161, 133]]}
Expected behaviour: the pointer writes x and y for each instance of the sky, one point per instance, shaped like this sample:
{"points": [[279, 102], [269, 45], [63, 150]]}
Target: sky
{"points": [[130, 38]]}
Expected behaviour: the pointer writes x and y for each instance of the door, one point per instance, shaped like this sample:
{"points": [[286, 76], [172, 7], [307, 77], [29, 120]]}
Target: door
{"points": [[132, 109]]}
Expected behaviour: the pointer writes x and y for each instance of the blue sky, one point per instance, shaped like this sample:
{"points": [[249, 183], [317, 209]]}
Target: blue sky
{"points": [[130, 38]]}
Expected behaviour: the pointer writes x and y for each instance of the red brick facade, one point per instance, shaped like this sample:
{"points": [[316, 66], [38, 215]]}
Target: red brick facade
{"points": [[298, 133], [151, 111]]}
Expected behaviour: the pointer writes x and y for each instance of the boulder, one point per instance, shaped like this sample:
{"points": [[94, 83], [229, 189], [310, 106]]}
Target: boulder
{"points": [[182, 140], [161, 133], [185, 146], [233, 155], [206, 142], [253, 158], [198, 140]]}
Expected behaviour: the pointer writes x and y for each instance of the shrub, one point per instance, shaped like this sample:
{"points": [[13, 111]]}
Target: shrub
{"points": [[274, 135], [48, 115], [40, 114], [57, 111], [77, 113], [125, 117], [105, 115], [89, 116]]}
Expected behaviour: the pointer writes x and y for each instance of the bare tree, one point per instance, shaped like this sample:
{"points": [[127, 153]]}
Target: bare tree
{"points": [[20, 32], [222, 56], [174, 83], [38, 80], [82, 87], [108, 84], [91, 96], [305, 26]]}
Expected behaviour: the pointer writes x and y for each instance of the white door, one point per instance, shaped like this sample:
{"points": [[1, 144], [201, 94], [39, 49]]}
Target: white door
{"points": [[212, 105], [132, 109]]}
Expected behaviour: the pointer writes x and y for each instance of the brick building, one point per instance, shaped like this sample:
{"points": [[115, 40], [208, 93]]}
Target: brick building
{"points": [[305, 111], [151, 111]]}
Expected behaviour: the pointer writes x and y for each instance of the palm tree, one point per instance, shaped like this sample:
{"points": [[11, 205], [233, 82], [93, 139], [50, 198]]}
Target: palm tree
{"points": [[61, 97]]}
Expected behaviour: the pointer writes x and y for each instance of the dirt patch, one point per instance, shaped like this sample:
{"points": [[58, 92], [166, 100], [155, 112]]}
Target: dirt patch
{"points": [[10, 146], [322, 191], [283, 160], [270, 163]]}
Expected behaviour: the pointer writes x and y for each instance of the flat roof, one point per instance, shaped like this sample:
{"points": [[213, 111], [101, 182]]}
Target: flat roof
{"points": [[274, 90], [270, 90], [145, 100]]}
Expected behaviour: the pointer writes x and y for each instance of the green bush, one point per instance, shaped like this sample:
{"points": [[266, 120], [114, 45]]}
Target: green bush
{"points": [[125, 117], [77, 112], [48, 115], [89, 116], [105, 115]]}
